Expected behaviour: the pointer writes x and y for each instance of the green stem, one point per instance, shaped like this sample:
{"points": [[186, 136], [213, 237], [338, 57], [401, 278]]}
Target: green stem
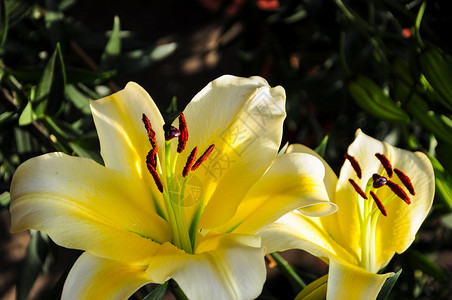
{"points": [[288, 271]]}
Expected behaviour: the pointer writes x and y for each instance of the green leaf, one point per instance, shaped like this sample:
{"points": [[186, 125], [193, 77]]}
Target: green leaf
{"points": [[446, 220], [388, 285], [3, 22], [443, 182], [109, 59], [137, 60], [27, 116], [321, 148], [78, 99], [50, 90], [158, 292], [5, 198], [34, 259]]}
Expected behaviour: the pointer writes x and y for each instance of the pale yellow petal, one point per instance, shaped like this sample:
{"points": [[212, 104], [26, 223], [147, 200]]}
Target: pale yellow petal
{"points": [[294, 181], [347, 282], [397, 231], [86, 206], [224, 267], [297, 231], [123, 138], [93, 278], [243, 117]]}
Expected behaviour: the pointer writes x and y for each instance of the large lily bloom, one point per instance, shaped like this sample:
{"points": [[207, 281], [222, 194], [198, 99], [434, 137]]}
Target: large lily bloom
{"points": [[383, 195], [181, 201]]}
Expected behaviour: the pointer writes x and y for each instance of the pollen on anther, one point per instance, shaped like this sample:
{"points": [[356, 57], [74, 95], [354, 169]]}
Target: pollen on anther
{"points": [[183, 137], [150, 131], [385, 162], [396, 189], [151, 158], [378, 203], [190, 161], [357, 188], [355, 164], [405, 180], [203, 157], [156, 177]]}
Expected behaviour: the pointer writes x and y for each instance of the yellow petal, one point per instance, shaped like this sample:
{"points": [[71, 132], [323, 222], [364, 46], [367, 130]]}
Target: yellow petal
{"points": [[243, 117], [86, 206], [295, 180], [93, 277], [224, 267], [122, 135], [295, 230], [346, 282]]}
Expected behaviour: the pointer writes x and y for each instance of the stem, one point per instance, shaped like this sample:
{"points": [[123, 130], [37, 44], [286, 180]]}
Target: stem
{"points": [[288, 271]]}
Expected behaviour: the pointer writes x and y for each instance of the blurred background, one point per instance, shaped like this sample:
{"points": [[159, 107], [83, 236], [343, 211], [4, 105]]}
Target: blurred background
{"points": [[380, 65]]}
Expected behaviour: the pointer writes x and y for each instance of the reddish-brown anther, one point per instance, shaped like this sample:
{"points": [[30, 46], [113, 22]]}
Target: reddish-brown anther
{"points": [[150, 131], [378, 203], [203, 157], [357, 188], [405, 180], [398, 191], [156, 177], [151, 158], [190, 161], [183, 137], [355, 164], [385, 162]]}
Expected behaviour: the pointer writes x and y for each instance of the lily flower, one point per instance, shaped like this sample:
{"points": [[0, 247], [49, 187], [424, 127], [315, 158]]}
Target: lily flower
{"points": [[182, 200], [383, 195]]}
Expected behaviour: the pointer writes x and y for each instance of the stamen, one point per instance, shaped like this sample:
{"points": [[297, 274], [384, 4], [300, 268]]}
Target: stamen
{"points": [[385, 162], [151, 158], [156, 177], [170, 132], [203, 157], [183, 137], [379, 181], [190, 161], [398, 191], [354, 164], [357, 188], [378, 203], [405, 180], [150, 131]]}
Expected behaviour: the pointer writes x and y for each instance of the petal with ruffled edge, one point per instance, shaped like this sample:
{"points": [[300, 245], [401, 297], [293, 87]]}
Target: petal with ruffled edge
{"points": [[123, 138], [294, 181], [243, 117], [347, 281], [93, 277], [229, 266], [83, 205], [297, 231]]}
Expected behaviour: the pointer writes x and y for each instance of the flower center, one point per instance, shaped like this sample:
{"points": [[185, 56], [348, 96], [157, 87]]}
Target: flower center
{"points": [[369, 210], [173, 186]]}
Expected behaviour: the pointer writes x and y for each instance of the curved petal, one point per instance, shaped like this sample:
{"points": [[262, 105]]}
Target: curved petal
{"points": [[396, 232], [123, 138], [93, 277], [224, 267], [294, 181], [243, 117], [296, 231], [346, 281], [86, 206]]}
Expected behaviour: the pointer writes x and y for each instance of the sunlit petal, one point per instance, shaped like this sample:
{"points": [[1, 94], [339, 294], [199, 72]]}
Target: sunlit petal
{"points": [[347, 281], [224, 267], [93, 277], [83, 205], [243, 117], [295, 180]]}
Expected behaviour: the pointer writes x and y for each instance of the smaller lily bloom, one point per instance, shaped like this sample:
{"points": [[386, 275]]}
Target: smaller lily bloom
{"points": [[383, 195], [182, 200]]}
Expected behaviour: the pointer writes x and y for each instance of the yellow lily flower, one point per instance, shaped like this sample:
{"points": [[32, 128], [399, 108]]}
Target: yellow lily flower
{"points": [[158, 209], [383, 195]]}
